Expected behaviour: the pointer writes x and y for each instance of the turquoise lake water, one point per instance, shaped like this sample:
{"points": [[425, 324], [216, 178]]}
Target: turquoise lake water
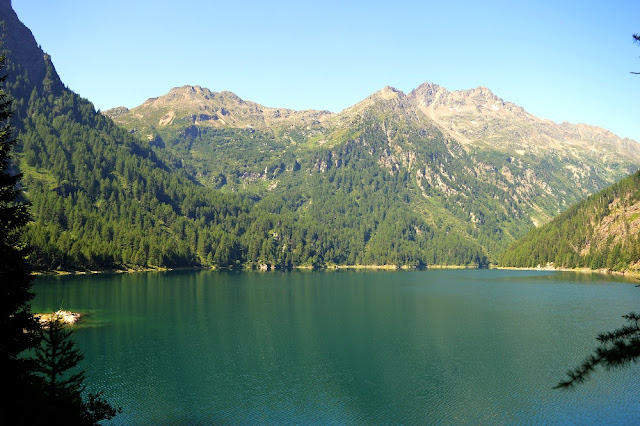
{"points": [[349, 347]]}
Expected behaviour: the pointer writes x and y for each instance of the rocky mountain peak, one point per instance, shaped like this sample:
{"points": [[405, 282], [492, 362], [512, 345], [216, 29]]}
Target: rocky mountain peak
{"points": [[481, 96], [426, 93], [389, 96], [116, 112], [187, 92], [426, 89], [193, 105], [429, 93], [195, 95], [390, 93]]}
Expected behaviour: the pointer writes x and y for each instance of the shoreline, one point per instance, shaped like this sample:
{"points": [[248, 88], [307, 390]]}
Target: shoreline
{"points": [[61, 273], [634, 274], [66, 317]]}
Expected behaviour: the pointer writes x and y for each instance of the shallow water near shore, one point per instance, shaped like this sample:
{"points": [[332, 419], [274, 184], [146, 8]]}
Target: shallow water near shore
{"points": [[348, 347]]}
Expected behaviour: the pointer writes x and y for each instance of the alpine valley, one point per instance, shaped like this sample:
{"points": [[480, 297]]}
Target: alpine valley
{"points": [[202, 178]]}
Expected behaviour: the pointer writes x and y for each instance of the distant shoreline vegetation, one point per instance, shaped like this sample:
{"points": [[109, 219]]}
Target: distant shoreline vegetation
{"points": [[209, 180], [599, 233], [390, 268], [61, 272]]}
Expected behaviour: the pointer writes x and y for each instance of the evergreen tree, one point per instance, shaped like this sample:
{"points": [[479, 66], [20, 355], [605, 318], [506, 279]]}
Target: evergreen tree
{"points": [[636, 39], [57, 361], [621, 347], [17, 324], [37, 393], [618, 348], [56, 357]]}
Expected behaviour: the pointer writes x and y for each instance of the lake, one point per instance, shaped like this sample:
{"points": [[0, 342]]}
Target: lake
{"points": [[349, 347]]}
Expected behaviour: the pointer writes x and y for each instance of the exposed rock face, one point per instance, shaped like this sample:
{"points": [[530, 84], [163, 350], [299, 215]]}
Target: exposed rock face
{"points": [[475, 117], [449, 142], [479, 117], [212, 109], [116, 112], [21, 48]]}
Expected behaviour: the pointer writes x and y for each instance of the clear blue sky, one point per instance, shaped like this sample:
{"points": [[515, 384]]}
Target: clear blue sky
{"points": [[561, 60]]}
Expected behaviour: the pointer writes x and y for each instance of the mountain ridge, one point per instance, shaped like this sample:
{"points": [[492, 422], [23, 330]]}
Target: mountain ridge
{"points": [[202, 178], [450, 144], [216, 109], [27, 59], [429, 98], [475, 118]]}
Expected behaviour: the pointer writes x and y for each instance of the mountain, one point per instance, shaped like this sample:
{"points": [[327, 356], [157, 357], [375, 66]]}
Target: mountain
{"points": [[480, 118], [601, 232], [99, 198], [471, 163], [28, 66], [200, 106], [103, 198], [552, 165], [198, 178]]}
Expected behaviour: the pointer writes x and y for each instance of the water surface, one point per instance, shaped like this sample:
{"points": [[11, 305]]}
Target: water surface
{"points": [[346, 347]]}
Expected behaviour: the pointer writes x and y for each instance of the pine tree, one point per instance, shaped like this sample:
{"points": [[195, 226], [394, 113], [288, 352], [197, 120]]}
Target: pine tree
{"points": [[17, 324], [57, 362], [56, 358], [37, 391], [618, 348]]}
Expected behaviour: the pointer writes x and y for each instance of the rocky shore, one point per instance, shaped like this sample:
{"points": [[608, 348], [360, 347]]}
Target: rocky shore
{"points": [[67, 317]]}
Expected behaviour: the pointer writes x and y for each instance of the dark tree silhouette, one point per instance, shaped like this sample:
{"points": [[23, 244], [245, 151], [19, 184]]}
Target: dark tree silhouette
{"points": [[57, 357], [636, 39], [57, 362], [37, 389], [618, 348], [17, 324]]}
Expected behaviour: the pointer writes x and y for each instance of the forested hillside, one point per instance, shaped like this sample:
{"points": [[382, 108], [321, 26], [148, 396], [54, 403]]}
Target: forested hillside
{"points": [[601, 232], [197, 178], [101, 198], [473, 167]]}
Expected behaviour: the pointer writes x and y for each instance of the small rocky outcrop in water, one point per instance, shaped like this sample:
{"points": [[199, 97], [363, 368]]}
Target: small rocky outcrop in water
{"points": [[67, 317]]}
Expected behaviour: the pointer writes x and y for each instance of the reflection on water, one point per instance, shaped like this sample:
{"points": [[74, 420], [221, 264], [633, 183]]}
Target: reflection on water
{"points": [[348, 347]]}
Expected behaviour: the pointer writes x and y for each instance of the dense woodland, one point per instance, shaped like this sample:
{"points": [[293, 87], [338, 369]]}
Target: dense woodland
{"points": [[38, 363], [601, 232], [384, 189], [104, 199], [100, 199]]}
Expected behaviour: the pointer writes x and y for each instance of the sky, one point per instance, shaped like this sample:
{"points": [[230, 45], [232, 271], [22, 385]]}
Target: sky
{"points": [[560, 60]]}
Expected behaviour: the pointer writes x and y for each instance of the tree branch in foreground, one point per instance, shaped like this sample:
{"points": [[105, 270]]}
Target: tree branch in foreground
{"points": [[618, 348]]}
